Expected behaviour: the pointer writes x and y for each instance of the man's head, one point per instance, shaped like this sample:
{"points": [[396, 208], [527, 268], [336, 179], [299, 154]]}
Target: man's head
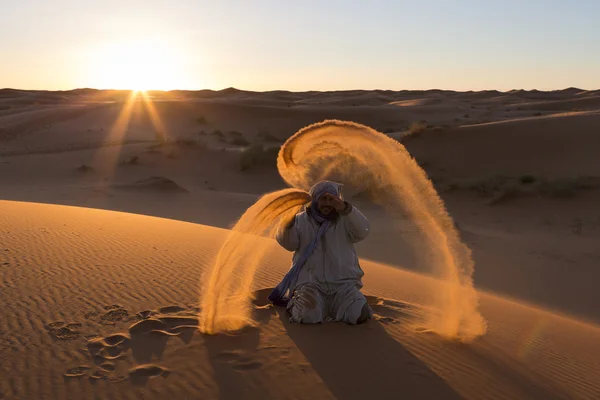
{"points": [[325, 204], [323, 196]]}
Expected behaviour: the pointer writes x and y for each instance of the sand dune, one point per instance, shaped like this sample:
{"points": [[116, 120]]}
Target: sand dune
{"points": [[87, 118], [415, 102], [542, 146], [576, 104], [104, 303]]}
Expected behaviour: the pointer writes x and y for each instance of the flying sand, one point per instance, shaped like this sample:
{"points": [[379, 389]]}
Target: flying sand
{"points": [[379, 167]]}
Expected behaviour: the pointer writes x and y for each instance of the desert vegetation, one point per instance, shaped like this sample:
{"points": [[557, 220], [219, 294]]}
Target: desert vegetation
{"points": [[257, 155]]}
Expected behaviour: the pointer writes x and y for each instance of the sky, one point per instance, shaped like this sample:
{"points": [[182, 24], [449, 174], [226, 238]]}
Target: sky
{"points": [[300, 45]]}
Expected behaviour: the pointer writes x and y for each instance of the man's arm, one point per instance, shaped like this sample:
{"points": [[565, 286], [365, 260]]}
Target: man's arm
{"points": [[357, 225], [289, 237]]}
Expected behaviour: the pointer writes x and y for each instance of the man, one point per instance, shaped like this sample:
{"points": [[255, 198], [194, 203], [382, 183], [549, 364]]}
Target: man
{"points": [[325, 279]]}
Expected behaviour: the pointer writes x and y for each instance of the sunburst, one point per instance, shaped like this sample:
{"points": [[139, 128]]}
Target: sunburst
{"points": [[117, 136]]}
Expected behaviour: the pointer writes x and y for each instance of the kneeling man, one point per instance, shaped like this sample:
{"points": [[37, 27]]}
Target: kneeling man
{"points": [[325, 279]]}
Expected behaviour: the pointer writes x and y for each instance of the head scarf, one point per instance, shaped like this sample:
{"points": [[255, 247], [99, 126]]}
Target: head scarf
{"points": [[283, 292]]}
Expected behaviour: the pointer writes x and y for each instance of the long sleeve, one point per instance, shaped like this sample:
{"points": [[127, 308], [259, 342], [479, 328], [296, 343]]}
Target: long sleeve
{"points": [[357, 225], [289, 238]]}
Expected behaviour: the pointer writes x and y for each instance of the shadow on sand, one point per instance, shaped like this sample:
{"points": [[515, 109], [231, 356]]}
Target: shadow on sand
{"points": [[354, 362]]}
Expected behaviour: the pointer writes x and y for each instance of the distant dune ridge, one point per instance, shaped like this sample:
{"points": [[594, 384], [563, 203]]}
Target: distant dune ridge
{"points": [[101, 302]]}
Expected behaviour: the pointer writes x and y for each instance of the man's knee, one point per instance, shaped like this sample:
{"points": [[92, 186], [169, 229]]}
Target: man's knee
{"points": [[306, 316], [365, 314], [307, 306], [354, 308]]}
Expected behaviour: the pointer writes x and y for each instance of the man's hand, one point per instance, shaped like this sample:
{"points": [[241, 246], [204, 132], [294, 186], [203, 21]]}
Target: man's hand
{"points": [[336, 202]]}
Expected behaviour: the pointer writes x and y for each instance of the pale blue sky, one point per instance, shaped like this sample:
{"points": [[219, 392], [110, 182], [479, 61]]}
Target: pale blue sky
{"points": [[302, 45]]}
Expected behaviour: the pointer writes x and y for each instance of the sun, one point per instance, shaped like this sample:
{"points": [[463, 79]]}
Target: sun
{"points": [[138, 65]]}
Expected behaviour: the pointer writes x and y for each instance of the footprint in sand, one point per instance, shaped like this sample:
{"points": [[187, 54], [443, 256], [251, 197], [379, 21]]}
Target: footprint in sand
{"points": [[144, 314], [114, 313], [145, 339], [77, 372], [180, 322], [98, 375], [108, 349], [146, 326], [108, 366], [62, 331], [171, 309], [238, 361], [90, 314], [116, 339], [140, 374], [82, 370]]}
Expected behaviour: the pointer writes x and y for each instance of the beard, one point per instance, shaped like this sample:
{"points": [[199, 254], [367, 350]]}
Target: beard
{"points": [[326, 210]]}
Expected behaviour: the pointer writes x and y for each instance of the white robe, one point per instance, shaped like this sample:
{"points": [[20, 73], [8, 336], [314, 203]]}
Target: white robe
{"points": [[328, 286]]}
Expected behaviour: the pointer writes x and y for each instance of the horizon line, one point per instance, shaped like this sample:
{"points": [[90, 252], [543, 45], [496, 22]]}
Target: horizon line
{"points": [[230, 88]]}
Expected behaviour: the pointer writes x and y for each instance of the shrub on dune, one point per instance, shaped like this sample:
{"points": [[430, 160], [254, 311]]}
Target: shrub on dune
{"points": [[527, 179], [257, 155], [268, 137], [183, 142], [85, 168], [133, 160], [240, 141], [414, 131], [417, 128]]}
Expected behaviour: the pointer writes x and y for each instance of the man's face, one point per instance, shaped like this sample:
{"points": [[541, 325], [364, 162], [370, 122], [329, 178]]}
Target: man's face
{"points": [[325, 204]]}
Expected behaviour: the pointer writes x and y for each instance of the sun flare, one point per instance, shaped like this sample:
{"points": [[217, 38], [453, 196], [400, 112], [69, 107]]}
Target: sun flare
{"points": [[138, 65]]}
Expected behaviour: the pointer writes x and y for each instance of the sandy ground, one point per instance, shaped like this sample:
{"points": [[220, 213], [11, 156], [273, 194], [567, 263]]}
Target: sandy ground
{"points": [[518, 172]]}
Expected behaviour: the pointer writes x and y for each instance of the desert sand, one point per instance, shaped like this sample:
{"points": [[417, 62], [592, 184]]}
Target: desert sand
{"points": [[114, 207]]}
